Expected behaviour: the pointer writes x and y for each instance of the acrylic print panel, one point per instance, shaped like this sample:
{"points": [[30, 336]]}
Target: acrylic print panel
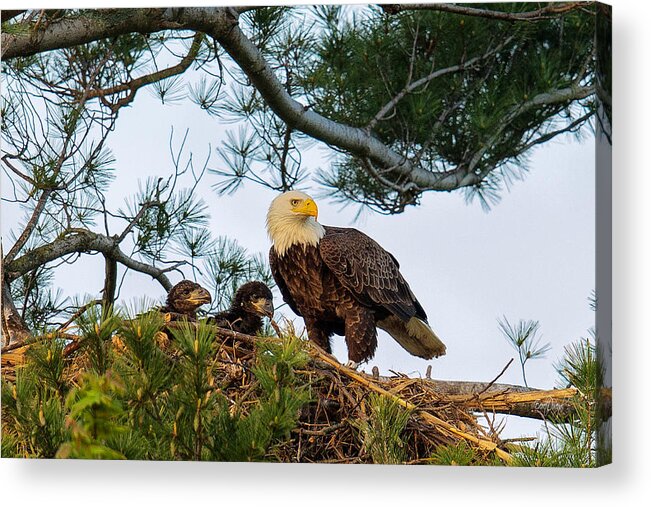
{"points": [[333, 234]]}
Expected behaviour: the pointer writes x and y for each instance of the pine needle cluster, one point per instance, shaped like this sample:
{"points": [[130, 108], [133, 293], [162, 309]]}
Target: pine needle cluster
{"points": [[383, 431], [574, 443]]}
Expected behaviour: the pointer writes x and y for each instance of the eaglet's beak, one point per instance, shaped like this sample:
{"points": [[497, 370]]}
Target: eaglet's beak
{"points": [[199, 297], [307, 207], [264, 306]]}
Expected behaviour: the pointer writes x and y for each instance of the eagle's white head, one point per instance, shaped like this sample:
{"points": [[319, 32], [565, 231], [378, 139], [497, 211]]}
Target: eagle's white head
{"points": [[291, 220]]}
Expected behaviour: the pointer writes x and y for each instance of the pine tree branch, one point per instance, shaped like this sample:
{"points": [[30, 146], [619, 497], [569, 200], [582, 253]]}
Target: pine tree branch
{"points": [[222, 25], [548, 98], [84, 27], [29, 226], [64, 154], [42, 201], [134, 221], [572, 127], [23, 176], [356, 141], [79, 312], [134, 85], [27, 40]]}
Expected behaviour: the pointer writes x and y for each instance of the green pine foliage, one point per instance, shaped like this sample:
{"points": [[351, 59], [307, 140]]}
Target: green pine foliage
{"points": [[462, 454], [144, 394], [444, 119], [242, 437], [383, 430], [94, 411], [33, 406], [572, 443], [136, 389], [524, 338]]}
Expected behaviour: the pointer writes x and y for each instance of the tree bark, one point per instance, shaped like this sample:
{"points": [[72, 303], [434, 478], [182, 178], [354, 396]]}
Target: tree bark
{"points": [[14, 329], [550, 11], [110, 282]]}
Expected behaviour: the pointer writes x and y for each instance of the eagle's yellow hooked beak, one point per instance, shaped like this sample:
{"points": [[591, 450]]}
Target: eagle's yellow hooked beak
{"points": [[307, 207], [199, 296], [264, 307]]}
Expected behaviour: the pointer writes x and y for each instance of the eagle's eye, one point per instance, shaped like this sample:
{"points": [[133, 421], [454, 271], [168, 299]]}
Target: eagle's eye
{"points": [[294, 202]]}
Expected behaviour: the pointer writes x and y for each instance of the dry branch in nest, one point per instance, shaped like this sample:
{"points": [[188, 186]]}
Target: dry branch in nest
{"points": [[441, 412]]}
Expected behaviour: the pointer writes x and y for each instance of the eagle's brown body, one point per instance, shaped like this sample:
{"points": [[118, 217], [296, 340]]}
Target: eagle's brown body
{"points": [[347, 284]]}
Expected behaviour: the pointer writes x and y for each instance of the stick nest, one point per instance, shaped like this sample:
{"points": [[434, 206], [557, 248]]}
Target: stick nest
{"points": [[328, 428]]}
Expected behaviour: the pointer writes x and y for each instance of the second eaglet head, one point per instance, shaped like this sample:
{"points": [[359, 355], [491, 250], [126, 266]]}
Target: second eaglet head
{"points": [[256, 298], [186, 296]]}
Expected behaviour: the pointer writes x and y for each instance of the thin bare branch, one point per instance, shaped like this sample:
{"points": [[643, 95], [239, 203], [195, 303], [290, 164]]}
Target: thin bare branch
{"points": [[546, 98], [17, 172], [29, 226], [412, 86], [134, 221], [548, 12], [134, 85], [572, 127]]}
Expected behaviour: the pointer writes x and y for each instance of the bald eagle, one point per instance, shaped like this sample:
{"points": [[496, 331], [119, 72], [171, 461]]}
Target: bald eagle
{"points": [[342, 282], [183, 300], [251, 302]]}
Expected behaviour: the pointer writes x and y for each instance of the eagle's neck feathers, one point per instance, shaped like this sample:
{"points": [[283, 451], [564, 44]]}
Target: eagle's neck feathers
{"points": [[286, 231]]}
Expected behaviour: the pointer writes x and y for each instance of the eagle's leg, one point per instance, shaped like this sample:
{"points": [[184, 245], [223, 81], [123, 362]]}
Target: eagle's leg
{"points": [[319, 334], [361, 334]]}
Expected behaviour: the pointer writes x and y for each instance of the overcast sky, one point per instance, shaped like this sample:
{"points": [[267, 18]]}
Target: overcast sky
{"points": [[531, 257]]}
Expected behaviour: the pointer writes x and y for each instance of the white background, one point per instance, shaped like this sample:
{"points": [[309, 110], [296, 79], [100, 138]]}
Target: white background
{"points": [[68, 482]]}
